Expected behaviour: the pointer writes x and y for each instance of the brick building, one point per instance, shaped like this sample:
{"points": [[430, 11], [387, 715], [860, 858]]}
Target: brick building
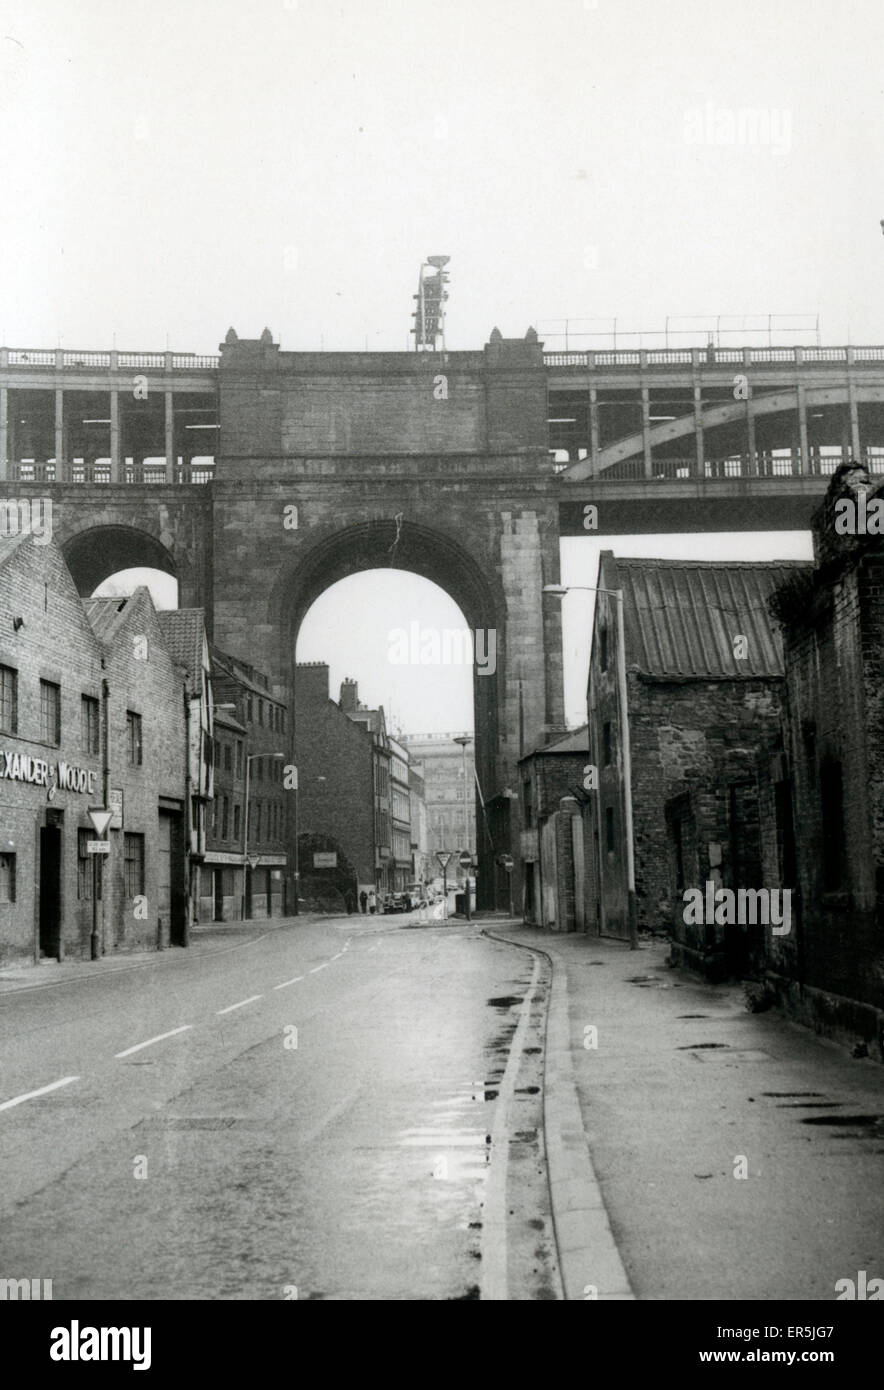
{"points": [[423, 868], [400, 805], [374, 721], [828, 970], [145, 876], [184, 632], [251, 727], [91, 714], [704, 678], [552, 841], [336, 810]]}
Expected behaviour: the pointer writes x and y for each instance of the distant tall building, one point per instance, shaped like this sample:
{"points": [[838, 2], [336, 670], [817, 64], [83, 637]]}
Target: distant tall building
{"points": [[441, 762]]}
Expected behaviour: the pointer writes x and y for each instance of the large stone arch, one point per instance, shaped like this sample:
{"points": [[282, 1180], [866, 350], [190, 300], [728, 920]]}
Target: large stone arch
{"points": [[430, 553], [419, 550], [96, 552]]}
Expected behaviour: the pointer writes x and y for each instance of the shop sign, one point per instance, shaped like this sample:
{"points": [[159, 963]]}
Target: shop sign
{"points": [[22, 767]]}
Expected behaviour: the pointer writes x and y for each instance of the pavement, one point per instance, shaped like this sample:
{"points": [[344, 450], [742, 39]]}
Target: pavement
{"points": [[698, 1150]]}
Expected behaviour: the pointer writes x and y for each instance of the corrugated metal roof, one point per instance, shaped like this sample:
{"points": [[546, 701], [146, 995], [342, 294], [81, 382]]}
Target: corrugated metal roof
{"points": [[681, 617]]}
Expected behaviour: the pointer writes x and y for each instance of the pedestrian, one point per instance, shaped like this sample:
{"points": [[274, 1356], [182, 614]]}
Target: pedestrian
{"points": [[372, 901], [363, 902]]}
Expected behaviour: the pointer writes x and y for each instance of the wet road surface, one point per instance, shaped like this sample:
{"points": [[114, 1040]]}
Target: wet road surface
{"points": [[330, 1110]]}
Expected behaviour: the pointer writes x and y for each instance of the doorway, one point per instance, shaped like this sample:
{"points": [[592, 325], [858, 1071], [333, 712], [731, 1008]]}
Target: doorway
{"points": [[50, 891]]}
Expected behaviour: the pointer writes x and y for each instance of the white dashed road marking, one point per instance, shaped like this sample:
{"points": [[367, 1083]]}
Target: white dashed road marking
{"points": [[285, 983], [44, 1090], [160, 1038], [241, 1005]]}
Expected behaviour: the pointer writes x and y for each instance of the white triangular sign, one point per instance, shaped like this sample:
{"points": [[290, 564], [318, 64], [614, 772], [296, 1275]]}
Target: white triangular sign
{"points": [[100, 819]]}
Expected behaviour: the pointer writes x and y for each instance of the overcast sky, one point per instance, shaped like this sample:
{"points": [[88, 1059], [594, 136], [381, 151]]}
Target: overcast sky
{"points": [[174, 167], [170, 169]]}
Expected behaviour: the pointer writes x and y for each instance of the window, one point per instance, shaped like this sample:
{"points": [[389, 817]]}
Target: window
{"points": [[609, 829], [8, 700], [260, 711], [259, 769], [225, 815], [236, 818], [249, 709], [133, 864], [228, 758], [89, 723], [7, 878], [133, 738], [606, 735], [527, 804], [256, 821], [282, 720], [603, 648], [84, 866], [50, 712], [239, 757]]}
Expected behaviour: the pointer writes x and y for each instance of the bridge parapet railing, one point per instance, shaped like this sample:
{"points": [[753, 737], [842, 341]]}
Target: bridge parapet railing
{"points": [[100, 472], [713, 357], [762, 466], [108, 361]]}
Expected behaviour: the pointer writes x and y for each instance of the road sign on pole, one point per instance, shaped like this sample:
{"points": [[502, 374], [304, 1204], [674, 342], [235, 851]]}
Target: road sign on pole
{"points": [[98, 846], [100, 818], [444, 857], [465, 859], [254, 861]]}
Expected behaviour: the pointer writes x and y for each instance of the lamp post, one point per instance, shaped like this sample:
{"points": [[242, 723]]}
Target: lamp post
{"points": [[559, 591], [463, 740], [250, 758]]}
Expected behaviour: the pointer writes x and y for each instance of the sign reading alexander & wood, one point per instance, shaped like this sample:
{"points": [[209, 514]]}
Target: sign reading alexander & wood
{"points": [[21, 767]]}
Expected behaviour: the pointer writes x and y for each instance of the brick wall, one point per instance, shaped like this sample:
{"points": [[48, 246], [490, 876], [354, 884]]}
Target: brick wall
{"points": [[330, 746]]}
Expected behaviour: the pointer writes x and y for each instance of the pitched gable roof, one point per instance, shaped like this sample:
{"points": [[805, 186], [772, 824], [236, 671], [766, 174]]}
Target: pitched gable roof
{"points": [[184, 632]]}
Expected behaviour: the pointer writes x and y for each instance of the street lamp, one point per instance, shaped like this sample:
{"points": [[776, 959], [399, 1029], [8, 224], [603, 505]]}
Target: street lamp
{"points": [[250, 758], [559, 591], [463, 740]]}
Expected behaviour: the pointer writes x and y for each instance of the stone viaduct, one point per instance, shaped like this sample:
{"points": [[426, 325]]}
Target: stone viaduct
{"points": [[261, 477]]}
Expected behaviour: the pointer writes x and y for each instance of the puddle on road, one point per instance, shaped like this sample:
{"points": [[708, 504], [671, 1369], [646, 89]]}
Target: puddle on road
{"points": [[504, 1001], [693, 1047]]}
